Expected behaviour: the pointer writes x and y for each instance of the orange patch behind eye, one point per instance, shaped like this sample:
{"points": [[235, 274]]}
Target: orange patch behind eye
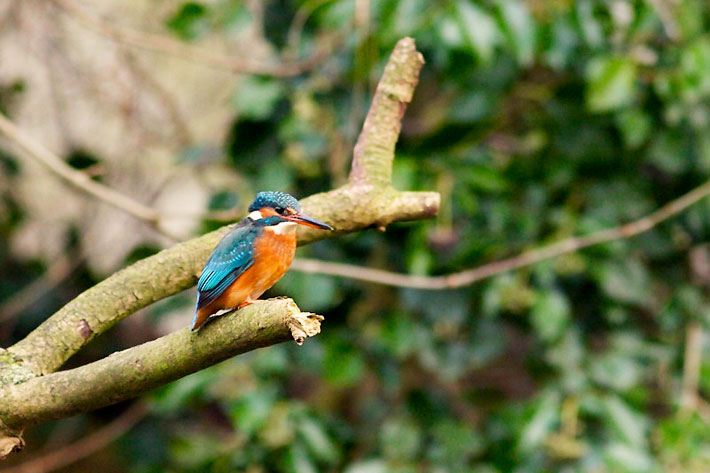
{"points": [[267, 212]]}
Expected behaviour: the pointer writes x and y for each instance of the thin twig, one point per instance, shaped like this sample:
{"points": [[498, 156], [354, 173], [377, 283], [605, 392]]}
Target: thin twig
{"points": [[692, 359], [78, 179], [293, 38], [57, 272], [470, 276], [174, 269], [88, 445], [164, 44], [389, 278]]}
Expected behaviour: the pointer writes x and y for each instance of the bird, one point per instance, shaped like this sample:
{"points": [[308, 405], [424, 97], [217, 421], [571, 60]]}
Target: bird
{"points": [[252, 257]]}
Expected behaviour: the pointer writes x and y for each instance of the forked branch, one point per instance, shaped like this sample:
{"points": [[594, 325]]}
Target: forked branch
{"points": [[30, 390]]}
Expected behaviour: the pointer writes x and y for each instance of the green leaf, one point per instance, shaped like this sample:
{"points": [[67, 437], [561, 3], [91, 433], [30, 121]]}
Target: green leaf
{"points": [[401, 335], [222, 200], [479, 28], [194, 452], [256, 97], [190, 21], [519, 28], [611, 83], [630, 426], [401, 439], [669, 152], [343, 365], [683, 441], [615, 370], [486, 179], [626, 281], [627, 459], [550, 315], [298, 461], [317, 440], [455, 443], [541, 424], [178, 394], [250, 412], [368, 466], [635, 127], [589, 26], [274, 175], [560, 48]]}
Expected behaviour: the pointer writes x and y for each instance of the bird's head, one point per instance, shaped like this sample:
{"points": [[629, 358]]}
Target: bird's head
{"points": [[272, 208]]}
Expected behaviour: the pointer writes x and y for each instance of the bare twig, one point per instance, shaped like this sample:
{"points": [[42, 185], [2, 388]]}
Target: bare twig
{"points": [[293, 38], [394, 92], [72, 453], [100, 307], [470, 276], [692, 359], [360, 162], [164, 44], [55, 274], [78, 179]]}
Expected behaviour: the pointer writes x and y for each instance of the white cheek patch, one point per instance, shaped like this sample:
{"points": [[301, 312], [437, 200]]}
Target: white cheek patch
{"points": [[255, 215], [283, 228]]}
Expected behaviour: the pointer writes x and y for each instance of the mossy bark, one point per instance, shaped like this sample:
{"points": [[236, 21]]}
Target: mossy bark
{"points": [[128, 373], [30, 391]]}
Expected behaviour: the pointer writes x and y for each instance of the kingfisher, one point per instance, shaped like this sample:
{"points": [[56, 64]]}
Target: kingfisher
{"points": [[252, 256]]}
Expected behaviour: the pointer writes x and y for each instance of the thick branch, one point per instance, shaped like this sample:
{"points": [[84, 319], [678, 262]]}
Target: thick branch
{"points": [[374, 151], [371, 202], [175, 269], [128, 373], [96, 310]]}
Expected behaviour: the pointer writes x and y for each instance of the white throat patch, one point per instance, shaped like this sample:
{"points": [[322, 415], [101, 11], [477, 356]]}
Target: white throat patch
{"points": [[283, 228]]}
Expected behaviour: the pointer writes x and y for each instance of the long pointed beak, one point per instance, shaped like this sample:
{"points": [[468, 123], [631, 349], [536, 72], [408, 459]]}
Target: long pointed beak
{"points": [[309, 222]]}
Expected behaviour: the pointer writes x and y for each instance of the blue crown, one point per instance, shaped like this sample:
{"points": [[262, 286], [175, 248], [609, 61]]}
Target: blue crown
{"points": [[274, 200]]}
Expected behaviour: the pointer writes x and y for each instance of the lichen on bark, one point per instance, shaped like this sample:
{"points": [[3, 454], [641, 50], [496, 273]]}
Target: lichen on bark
{"points": [[30, 389]]}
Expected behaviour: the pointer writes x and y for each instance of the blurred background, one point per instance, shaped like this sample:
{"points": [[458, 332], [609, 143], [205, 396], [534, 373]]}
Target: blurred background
{"points": [[536, 120]]}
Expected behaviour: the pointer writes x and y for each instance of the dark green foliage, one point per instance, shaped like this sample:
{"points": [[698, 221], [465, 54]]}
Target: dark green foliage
{"points": [[536, 121]]}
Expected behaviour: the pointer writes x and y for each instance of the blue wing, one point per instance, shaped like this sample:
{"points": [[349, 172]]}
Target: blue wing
{"points": [[232, 256]]}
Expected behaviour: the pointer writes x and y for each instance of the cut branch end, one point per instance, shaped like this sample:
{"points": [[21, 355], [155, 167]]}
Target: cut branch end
{"points": [[304, 325]]}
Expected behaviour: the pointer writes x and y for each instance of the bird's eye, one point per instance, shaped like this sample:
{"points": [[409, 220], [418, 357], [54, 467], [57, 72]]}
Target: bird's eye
{"points": [[280, 210]]}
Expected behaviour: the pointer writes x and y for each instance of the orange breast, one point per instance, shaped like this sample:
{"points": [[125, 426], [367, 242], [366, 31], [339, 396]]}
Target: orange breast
{"points": [[273, 254]]}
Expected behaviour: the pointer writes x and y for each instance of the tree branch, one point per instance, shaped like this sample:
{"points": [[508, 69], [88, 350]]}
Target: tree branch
{"points": [[126, 374], [32, 393], [175, 269], [692, 361], [68, 454], [77, 179], [536, 255], [375, 145]]}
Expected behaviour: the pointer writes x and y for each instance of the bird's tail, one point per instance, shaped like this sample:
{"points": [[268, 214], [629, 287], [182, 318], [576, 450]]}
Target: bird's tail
{"points": [[201, 315]]}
